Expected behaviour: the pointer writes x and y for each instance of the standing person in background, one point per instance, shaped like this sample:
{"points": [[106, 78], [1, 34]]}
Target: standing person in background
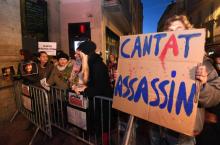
{"points": [[24, 68], [44, 67], [95, 73], [217, 61], [97, 77], [60, 73], [112, 67], [209, 93], [76, 77], [210, 133]]}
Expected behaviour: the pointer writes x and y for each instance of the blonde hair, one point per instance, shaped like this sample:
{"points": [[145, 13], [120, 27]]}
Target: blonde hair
{"points": [[181, 18]]}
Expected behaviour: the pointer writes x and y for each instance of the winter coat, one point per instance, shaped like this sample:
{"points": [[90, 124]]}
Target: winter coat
{"points": [[209, 94], [98, 83], [46, 71], [59, 77]]}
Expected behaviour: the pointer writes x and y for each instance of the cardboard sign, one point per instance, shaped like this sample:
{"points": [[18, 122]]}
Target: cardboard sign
{"points": [[77, 100], [26, 101], [25, 90], [49, 47], [77, 117], [156, 80]]}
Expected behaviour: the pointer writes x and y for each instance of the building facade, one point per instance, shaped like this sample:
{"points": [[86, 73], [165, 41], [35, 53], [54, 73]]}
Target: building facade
{"points": [[102, 21], [202, 14], [67, 22], [206, 14]]}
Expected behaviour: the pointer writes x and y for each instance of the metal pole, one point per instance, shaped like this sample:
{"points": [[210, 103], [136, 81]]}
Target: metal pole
{"points": [[128, 132]]}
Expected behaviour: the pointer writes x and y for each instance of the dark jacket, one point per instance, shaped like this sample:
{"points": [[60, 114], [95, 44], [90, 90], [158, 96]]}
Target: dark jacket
{"points": [[46, 71], [98, 84]]}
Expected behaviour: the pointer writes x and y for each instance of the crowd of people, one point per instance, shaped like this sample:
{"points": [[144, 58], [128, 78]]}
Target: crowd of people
{"points": [[84, 74], [89, 74]]}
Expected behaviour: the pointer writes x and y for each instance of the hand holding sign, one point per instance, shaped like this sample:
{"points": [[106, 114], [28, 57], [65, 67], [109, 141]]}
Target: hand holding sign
{"points": [[201, 74]]}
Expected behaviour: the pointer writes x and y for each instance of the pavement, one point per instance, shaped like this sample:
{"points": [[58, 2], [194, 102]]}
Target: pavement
{"points": [[20, 132]]}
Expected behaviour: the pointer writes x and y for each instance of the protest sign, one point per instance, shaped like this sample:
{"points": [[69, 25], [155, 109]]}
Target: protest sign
{"points": [[156, 77], [49, 47]]}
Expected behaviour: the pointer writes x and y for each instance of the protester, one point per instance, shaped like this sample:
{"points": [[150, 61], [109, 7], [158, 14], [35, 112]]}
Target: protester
{"points": [[60, 73], [112, 67], [98, 79], [211, 131], [209, 93], [76, 77], [96, 75], [44, 66]]}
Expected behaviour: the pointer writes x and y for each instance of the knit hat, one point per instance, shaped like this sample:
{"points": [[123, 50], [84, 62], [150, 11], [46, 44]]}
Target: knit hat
{"points": [[62, 55], [87, 47]]}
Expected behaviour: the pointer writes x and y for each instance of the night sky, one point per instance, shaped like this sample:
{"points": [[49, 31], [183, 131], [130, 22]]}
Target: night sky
{"points": [[153, 9]]}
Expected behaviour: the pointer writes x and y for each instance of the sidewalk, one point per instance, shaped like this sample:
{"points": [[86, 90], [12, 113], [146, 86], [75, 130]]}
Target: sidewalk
{"points": [[19, 133]]}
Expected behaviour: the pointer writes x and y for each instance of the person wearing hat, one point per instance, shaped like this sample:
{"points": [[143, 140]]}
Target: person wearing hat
{"points": [[60, 73], [96, 78], [95, 71]]}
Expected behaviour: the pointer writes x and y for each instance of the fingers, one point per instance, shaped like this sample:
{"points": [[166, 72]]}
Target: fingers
{"points": [[78, 89], [201, 70], [201, 74]]}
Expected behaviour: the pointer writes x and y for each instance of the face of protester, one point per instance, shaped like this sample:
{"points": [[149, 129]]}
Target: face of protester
{"points": [[176, 25], [43, 58], [112, 58], [21, 56], [62, 62], [77, 55]]}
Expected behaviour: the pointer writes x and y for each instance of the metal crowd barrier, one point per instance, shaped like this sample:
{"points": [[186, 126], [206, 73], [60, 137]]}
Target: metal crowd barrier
{"points": [[107, 122], [59, 114], [90, 121], [33, 103]]}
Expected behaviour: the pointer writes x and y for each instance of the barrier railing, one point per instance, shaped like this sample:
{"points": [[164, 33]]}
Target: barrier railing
{"points": [[107, 121], [90, 121], [33, 103], [64, 117]]}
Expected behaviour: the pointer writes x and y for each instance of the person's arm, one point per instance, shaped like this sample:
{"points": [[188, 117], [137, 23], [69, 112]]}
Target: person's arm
{"points": [[210, 90], [85, 69], [210, 93]]}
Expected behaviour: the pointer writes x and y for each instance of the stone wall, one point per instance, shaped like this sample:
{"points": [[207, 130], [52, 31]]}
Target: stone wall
{"points": [[10, 43]]}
